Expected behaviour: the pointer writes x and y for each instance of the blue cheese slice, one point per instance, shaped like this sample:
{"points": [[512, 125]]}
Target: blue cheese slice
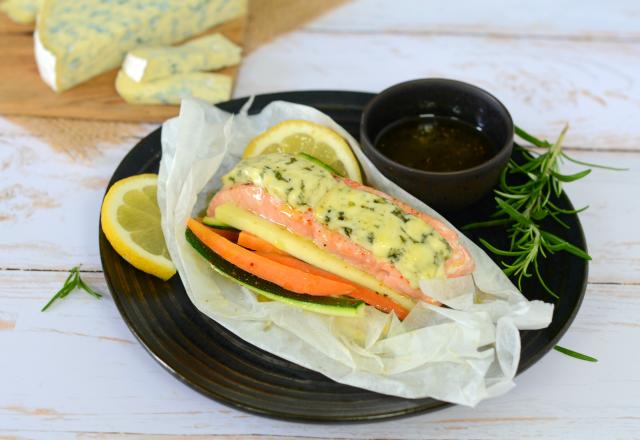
{"points": [[21, 11], [211, 52], [77, 40], [210, 87]]}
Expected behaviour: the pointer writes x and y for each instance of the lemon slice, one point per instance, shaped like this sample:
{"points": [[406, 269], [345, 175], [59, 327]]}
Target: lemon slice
{"points": [[131, 222], [307, 137]]}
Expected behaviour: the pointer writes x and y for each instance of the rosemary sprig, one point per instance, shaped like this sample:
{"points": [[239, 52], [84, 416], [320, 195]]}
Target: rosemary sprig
{"points": [[72, 282], [525, 205]]}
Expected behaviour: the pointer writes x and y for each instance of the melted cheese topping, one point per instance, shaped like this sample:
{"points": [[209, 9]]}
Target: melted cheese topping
{"points": [[290, 178], [412, 246], [379, 226]]}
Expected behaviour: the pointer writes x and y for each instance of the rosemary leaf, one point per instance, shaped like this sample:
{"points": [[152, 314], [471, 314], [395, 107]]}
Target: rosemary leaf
{"points": [[530, 138], [575, 354], [497, 251], [64, 291], [593, 165], [88, 289], [488, 223], [513, 213], [72, 282], [571, 177]]}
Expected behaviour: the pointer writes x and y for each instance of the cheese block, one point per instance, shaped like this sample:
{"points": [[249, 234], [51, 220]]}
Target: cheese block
{"points": [[210, 87], [210, 52], [21, 11], [77, 40]]}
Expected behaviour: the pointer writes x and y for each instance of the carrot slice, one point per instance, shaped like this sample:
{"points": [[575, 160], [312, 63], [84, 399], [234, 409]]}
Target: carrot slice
{"points": [[372, 298], [226, 233], [255, 243], [284, 276]]}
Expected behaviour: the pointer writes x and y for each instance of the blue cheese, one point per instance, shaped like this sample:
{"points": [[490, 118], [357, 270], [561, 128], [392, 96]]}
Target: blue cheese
{"points": [[210, 87], [412, 246], [77, 40], [211, 52], [21, 11]]}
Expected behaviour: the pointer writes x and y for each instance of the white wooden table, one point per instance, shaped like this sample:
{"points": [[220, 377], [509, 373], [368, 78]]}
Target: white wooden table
{"points": [[77, 371]]}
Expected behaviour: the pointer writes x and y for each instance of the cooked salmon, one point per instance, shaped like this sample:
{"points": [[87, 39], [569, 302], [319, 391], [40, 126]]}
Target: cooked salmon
{"points": [[257, 200]]}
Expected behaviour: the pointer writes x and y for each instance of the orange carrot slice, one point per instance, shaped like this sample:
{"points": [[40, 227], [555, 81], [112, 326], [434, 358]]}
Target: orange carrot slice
{"points": [[226, 233], [250, 241], [370, 297], [284, 276]]}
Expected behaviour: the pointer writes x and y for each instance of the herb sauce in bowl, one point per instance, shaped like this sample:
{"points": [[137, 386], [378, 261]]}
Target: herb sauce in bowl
{"points": [[444, 141], [433, 143]]}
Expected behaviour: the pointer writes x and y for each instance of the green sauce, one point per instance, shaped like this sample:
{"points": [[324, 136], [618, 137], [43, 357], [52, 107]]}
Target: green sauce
{"points": [[435, 144]]}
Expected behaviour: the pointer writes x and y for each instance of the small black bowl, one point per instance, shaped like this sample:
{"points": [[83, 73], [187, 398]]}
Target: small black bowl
{"points": [[443, 191]]}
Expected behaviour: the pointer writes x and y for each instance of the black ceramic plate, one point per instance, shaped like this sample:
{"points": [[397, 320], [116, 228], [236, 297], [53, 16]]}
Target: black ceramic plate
{"points": [[224, 367]]}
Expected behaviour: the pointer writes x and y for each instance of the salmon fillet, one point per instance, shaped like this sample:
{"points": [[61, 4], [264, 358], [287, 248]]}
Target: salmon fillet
{"points": [[303, 223]]}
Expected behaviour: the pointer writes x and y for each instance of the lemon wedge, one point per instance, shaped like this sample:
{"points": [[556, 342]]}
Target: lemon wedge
{"points": [[130, 220], [296, 136]]}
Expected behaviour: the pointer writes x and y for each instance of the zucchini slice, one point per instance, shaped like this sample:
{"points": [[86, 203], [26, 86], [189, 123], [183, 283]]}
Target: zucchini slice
{"points": [[320, 163], [215, 223], [328, 305], [305, 250]]}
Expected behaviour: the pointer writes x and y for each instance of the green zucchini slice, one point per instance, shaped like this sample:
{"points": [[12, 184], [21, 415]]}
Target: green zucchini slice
{"points": [[215, 223]]}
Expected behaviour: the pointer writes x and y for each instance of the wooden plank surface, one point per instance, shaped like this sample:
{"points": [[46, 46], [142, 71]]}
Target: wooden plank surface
{"points": [[77, 372], [112, 385], [590, 20], [593, 85], [95, 99]]}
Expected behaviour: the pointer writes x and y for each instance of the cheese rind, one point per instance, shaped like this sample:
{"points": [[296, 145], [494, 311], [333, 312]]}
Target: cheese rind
{"points": [[210, 87], [46, 62], [90, 37], [211, 52], [134, 66]]}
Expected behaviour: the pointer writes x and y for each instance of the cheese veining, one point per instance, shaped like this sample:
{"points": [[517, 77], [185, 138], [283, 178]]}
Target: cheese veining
{"points": [[210, 52], [210, 87]]}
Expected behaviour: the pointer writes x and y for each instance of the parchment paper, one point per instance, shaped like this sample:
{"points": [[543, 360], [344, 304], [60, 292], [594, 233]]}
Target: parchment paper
{"points": [[462, 354]]}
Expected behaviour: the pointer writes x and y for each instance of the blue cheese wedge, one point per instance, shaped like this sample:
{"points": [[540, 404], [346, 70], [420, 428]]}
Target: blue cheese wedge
{"points": [[211, 52], [77, 40], [21, 11], [210, 87]]}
